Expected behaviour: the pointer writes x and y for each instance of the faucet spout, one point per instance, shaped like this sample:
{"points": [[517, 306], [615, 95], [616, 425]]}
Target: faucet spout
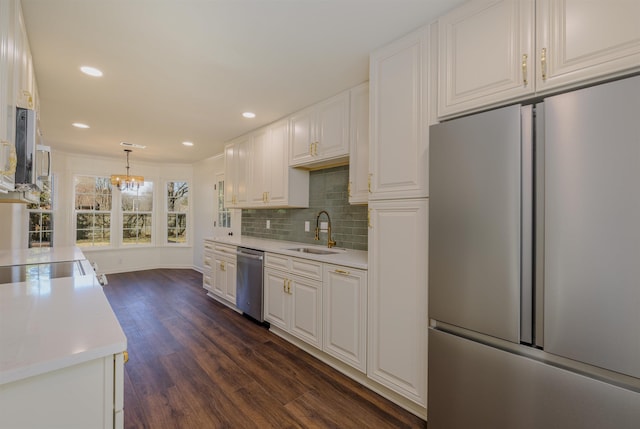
{"points": [[330, 242]]}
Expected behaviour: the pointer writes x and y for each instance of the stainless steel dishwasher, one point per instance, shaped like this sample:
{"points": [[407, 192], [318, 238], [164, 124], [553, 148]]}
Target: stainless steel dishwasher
{"points": [[249, 282]]}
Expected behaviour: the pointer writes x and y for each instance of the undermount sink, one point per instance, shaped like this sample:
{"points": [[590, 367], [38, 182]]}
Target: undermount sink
{"points": [[313, 250]]}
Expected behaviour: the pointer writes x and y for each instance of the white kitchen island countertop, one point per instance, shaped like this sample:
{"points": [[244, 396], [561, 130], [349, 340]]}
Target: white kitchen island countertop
{"points": [[40, 255], [47, 325], [346, 257]]}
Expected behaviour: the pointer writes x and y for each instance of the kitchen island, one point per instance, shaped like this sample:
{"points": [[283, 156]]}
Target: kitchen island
{"points": [[62, 352]]}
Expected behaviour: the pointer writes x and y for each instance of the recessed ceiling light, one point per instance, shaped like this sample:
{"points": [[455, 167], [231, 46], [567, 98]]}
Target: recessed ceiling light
{"points": [[80, 125], [91, 71], [249, 115], [187, 143]]}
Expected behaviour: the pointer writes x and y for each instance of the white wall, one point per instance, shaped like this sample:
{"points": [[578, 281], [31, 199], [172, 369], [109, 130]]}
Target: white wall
{"points": [[14, 226], [118, 258]]}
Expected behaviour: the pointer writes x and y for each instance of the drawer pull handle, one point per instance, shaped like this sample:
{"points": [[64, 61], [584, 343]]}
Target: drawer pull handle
{"points": [[343, 272], [125, 354]]}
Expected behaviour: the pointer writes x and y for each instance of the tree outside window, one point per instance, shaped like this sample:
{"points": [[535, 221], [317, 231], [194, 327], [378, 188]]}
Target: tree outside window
{"points": [[41, 218], [137, 214], [177, 211], [92, 211]]}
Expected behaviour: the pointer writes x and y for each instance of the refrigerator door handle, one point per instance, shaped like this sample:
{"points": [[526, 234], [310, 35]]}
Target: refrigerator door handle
{"points": [[526, 225], [538, 316]]}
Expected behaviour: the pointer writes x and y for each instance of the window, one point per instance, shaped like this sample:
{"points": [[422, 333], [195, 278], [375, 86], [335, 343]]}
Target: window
{"points": [[92, 211], [137, 210], [41, 218], [224, 215], [177, 210]]}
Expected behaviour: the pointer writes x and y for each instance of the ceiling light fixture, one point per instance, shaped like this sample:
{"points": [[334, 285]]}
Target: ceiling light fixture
{"points": [[137, 146], [91, 71], [124, 181], [249, 115], [80, 125], [187, 143]]}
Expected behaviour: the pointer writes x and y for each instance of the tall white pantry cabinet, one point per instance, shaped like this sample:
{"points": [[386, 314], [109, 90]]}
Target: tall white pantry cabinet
{"points": [[398, 168]]}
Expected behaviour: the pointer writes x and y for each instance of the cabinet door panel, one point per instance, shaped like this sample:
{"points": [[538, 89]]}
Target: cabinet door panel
{"points": [[230, 290], [345, 315], [399, 126], [275, 299], [301, 132], [397, 356], [258, 159], [359, 145], [220, 276], [585, 40], [481, 56], [332, 127], [278, 164], [306, 310]]}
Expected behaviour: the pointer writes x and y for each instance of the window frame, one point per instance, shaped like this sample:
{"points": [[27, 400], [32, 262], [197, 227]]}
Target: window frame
{"points": [[148, 213], [186, 214], [93, 212], [41, 212]]}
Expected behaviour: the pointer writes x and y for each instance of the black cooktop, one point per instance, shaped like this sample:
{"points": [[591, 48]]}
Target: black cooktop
{"points": [[51, 270]]}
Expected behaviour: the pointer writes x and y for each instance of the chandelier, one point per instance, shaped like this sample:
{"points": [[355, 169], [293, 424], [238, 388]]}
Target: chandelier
{"points": [[125, 181]]}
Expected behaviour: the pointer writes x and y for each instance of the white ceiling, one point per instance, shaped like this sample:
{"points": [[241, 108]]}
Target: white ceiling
{"points": [[177, 70]]}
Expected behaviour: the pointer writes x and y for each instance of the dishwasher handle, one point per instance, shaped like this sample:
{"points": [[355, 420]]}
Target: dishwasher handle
{"points": [[249, 255]]}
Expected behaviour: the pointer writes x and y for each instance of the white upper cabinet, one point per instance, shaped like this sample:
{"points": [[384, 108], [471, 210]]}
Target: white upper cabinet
{"points": [[492, 52], [24, 76], [586, 40], [359, 145], [399, 135], [320, 133], [259, 170], [236, 172], [271, 182], [485, 55]]}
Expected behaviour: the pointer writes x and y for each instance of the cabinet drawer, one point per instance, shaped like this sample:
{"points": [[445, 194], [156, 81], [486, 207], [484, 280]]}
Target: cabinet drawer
{"points": [[307, 268], [280, 262], [225, 249], [209, 245]]}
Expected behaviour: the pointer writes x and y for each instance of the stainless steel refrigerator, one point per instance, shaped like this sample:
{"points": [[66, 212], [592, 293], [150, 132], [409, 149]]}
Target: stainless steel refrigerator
{"points": [[534, 264]]}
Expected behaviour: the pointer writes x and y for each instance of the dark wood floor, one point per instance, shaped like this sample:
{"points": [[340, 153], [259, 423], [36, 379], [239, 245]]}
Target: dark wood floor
{"points": [[194, 363]]}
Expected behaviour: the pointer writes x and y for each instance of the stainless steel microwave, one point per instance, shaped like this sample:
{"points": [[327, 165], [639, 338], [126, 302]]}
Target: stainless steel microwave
{"points": [[33, 164]]}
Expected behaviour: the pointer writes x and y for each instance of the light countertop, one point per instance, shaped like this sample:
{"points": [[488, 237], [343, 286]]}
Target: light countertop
{"points": [[40, 255], [46, 325], [344, 257]]}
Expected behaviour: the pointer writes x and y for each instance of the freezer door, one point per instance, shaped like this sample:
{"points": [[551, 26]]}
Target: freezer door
{"points": [[592, 226], [475, 222], [472, 385]]}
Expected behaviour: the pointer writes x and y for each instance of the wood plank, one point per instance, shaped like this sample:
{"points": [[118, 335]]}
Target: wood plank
{"points": [[196, 363]]}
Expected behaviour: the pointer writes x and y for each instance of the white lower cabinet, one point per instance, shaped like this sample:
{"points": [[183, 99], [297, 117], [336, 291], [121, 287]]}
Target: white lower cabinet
{"points": [[219, 274], [293, 302], [207, 271], [345, 315], [397, 305], [86, 395]]}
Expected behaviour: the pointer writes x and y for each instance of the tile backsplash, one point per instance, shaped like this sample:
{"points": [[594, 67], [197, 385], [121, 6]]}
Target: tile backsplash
{"points": [[327, 191]]}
